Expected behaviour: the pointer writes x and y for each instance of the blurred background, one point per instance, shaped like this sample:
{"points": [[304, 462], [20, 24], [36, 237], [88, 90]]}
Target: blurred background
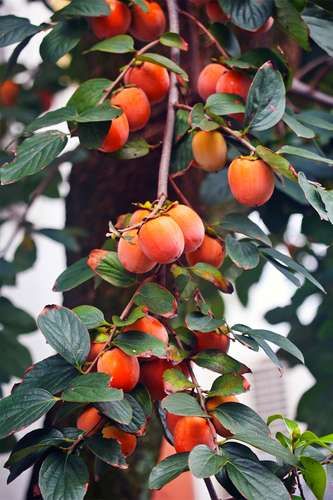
{"points": [[261, 293]]}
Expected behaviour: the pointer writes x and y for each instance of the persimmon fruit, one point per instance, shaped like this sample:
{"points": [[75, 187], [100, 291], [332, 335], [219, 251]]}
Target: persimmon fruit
{"points": [[134, 103], [95, 349], [209, 150], [208, 79], [212, 340], [151, 375], [162, 240], [171, 421], [149, 25], [212, 404], [124, 370], [116, 23], [251, 181], [234, 82], [211, 251], [151, 326], [190, 224], [214, 12], [192, 431], [117, 135], [89, 421], [131, 256], [153, 79], [126, 440], [138, 216], [9, 91]]}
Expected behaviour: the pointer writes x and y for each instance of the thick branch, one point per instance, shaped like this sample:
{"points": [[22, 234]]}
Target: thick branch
{"points": [[163, 174], [305, 90]]}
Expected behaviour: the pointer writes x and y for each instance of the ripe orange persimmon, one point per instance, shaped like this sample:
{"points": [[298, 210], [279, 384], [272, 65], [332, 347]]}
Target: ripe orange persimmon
{"points": [[134, 103], [162, 240], [151, 326], [124, 370], [95, 349], [209, 150], [149, 25], [191, 225], [251, 181], [89, 421], [234, 82], [116, 23], [151, 375], [212, 404], [192, 431], [117, 135], [151, 78], [171, 421], [208, 79], [9, 91], [212, 340], [214, 12], [126, 440], [211, 252], [131, 256], [138, 216]]}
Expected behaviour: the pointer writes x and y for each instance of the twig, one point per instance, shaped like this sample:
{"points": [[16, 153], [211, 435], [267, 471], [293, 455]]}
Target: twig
{"points": [[206, 31], [210, 488], [299, 485], [179, 191], [122, 74], [310, 66], [305, 90]]}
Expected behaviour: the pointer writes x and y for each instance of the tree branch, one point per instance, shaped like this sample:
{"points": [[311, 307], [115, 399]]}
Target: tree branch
{"points": [[305, 90]]}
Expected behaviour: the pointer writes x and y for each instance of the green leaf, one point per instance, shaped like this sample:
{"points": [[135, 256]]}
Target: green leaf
{"points": [[292, 264], [199, 119], [223, 104], [196, 321], [247, 14], [203, 462], [119, 411], [15, 29], [83, 8], [138, 422], [25, 254], [52, 118], [91, 388], [64, 37], [183, 404], [63, 476], [111, 270], [304, 153], [63, 236], [266, 101], [53, 374], [141, 394], [243, 253], [107, 450], [182, 155], [313, 196], [241, 224], [163, 61], [167, 470], [14, 319], [88, 94], [277, 162], [101, 113], [15, 357], [213, 275], [65, 333], [315, 476], [182, 124], [158, 300], [320, 24], [22, 408], [133, 316], [292, 23], [134, 148], [219, 362], [90, 316], [33, 155], [226, 37], [175, 380], [140, 344], [228, 384], [170, 39], [296, 126], [120, 44], [73, 276]]}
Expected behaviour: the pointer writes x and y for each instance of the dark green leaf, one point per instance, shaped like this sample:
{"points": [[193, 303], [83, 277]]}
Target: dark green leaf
{"points": [[196, 321], [228, 384], [63, 236], [62, 39], [167, 470], [223, 104], [107, 450], [88, 94], [65, 333], [170, 39], [320, 25], [25, 254], [15, 29], [101, 113], [312, 194], [52, 118], [83, 8], [90, 316], [133, 316], [138, 422], [53, 374], [157, 298], [213, 275], [163, 61], [247, 14], [111, 270], [219, 362], [226, 37], [14, 319], [292, 23], [119, 411], [182, 404], [15, 357], [120, 44], [203, 462], [239, 223], [243, 253], [139, 343], [134, 148], [300, 130], [304, 153], [279, 164], [91, 388], [73, 276]]}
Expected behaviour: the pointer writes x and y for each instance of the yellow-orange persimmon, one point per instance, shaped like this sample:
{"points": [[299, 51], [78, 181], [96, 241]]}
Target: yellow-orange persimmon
{"points": [[211, 251], [124, 370], [131, 256], [116, 23], [89, 421], [134, 103], [209, 150], [126, 440], [9, 91], [192, 431], [161, 239], [149, 25], [117, 135], [151, 78], [208, 79], [138, 216], [251, 181], [151, 326], [190, 224], [212, 340]]}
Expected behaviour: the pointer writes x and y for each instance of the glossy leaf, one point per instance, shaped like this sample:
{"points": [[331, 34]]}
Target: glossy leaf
{"points": [[175, 380], [219, 362], [119, 411], [111, 270], [139, 343], [134, 148], [224, 104], [91, 316], [228, 384], [304, 153], [120, 44], [167, 470], [315, 476], [203, 462], [213, 275], [243, 253], [15, 29], [239, 223], [62, 39], [83, 8], [73, 276], [107, 450], [291, 22], [91, 388], [158, 300], [182, 404], [247, 14], [163, 61], [196, 321], [296, 126]]}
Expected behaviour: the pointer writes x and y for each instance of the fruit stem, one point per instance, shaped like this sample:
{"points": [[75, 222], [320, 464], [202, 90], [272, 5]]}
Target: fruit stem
{"points": [[206, 31], [179, 192], [163, 174]]}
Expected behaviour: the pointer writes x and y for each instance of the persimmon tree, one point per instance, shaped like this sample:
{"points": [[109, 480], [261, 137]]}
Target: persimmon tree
{"points": [[170, 100]]}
